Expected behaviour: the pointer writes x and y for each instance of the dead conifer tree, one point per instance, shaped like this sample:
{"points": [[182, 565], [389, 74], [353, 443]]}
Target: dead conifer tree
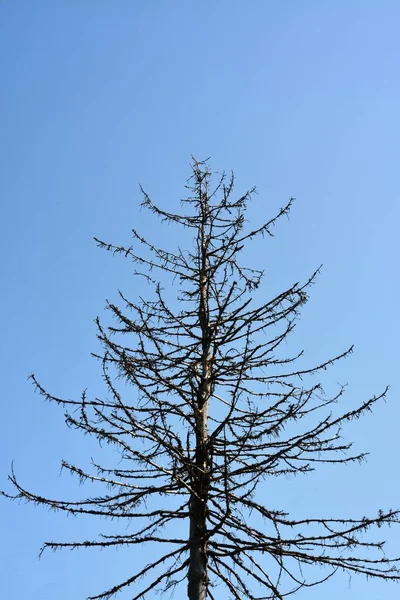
{"points": [[219, 408]]}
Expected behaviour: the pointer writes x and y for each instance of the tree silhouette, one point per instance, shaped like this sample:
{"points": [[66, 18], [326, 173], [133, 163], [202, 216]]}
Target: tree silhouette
{"points": [[219, 408]]}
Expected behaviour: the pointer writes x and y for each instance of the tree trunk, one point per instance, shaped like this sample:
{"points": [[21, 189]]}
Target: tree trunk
{"points": [[197, 576]]}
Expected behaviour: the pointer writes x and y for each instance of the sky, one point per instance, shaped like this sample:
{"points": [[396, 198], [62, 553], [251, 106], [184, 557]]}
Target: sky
{"points": [[300, 98]]}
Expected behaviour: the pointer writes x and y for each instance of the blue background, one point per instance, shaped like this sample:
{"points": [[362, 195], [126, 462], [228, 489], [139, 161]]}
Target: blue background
{"points": [[298, 97]]}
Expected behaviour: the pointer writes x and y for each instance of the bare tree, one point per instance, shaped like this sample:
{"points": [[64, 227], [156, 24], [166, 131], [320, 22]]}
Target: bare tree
{"points": [[219, 408]]}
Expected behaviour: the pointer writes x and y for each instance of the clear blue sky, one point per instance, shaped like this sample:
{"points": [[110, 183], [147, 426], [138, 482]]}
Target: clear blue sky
{"points": [[300, 98]]}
